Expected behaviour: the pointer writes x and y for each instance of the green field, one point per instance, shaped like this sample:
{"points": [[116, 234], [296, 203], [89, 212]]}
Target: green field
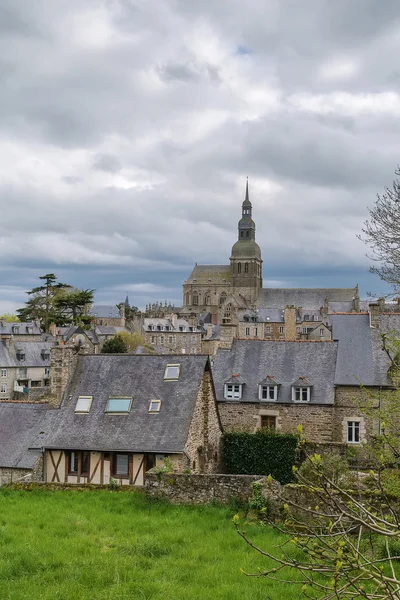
{"points": [[103, 545]]}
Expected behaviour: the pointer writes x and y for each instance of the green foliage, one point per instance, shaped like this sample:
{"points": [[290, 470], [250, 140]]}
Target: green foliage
{"points": [[113, 484], [114, 345], [257, 501], [334, 466], [132, 340], [265, 452], [58, 303], [167, 467], [101, 545], [9, 318]]}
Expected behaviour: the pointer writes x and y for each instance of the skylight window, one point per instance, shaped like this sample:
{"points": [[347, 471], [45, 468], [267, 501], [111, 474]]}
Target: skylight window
{"points": [[155, 406], [171, 372], [119, 406], [83, 404]]}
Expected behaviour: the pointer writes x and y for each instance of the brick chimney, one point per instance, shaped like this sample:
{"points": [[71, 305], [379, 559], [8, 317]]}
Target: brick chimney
{"points": [[6, 340], [374, 310], [53, 329]]}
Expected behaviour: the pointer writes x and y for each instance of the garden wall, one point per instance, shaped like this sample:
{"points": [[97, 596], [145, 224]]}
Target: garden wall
{"points": [[199, 488]]}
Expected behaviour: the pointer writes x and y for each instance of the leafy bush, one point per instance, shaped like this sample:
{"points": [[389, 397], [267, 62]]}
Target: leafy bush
{"points": [[115, 345], [265, 452]]}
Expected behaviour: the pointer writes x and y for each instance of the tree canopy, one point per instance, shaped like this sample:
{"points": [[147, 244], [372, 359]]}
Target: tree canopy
{"points": [[382, 233], [56, 302], [114, 345]]}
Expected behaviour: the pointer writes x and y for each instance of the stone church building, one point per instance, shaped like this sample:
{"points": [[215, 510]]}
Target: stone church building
{"points": [[229, 291]]}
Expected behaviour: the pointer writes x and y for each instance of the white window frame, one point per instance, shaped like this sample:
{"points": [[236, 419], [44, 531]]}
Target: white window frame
{"points": [[47, 371], [301, 391], [267, 329], [85, 403], [322, 332], [3, 388], [354, 432], [4, 372], [269, 389], [233, 391]]}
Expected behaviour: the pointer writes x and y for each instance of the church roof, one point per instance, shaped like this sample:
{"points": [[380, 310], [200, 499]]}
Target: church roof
{"points": [[205, 273], [308, 298]]}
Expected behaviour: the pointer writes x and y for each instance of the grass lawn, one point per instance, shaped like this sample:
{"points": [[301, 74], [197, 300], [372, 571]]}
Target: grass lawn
{"points": [[102, 545]]}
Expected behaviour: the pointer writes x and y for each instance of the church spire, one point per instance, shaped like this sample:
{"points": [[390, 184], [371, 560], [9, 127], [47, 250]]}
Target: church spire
{"points": [[246, 200]]}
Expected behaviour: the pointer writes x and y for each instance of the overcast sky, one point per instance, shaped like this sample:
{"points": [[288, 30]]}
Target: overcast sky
{"points": [[128, 127]]}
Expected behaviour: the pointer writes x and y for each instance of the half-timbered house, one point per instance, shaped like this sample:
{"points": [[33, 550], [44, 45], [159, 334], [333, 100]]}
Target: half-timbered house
{"points": [[121, 415]]}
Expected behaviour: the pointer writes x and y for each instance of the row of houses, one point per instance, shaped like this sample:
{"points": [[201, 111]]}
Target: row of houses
{"points": [[120, 415]]}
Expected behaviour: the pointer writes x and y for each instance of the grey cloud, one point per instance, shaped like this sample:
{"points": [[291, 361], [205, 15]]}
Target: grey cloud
{"points": [[107, 162]]}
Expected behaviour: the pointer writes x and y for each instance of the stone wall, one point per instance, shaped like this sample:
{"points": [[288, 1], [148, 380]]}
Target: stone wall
{"points": [[63, 363], [199, 489], [13, 475], [203, 443], [317, 420], [350, 403]]}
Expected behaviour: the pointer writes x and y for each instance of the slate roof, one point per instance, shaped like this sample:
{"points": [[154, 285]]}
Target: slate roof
{"points": [[20, 427], [360, 357], [284, 361], [139, 376], [102, 311], [33, 354], [7, 328], [264, 315], [312, 298], [163, 322], [217, 273]]}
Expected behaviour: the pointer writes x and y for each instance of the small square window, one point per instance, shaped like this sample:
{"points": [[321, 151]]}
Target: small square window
{"points": [[119, 405], [4, 372], [268, 422], [268, 329], [121, 465], [155, 406], [83, 404], [3, 388], [171, 372]]}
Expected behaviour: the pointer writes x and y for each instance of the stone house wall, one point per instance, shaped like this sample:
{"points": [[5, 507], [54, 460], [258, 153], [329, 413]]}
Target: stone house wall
{"points": [[63, 362], [316, 419], [350, 403], [175, 341]]}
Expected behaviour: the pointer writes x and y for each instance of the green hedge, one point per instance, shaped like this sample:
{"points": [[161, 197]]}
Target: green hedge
{"points": [[262, 453]]}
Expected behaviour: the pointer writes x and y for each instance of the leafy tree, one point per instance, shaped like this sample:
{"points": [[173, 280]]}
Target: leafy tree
{"points": [[382, 233], [9, 317], [73, 306], [41, 304], [56, 302], [343, 527], [131, 340], [114, 345], [130, 311]]}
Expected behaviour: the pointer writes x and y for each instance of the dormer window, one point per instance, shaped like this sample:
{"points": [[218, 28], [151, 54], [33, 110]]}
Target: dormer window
{"points": [[45, 354], [150, 327], [233, 388], [268, 389], [83, 404], [233, 391], [20, 355], [172, 372], [301, 390], [15, 328], [29, 329]]}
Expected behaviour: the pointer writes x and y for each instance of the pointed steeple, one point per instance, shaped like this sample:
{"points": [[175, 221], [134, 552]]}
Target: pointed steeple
{"points": [[246, 200], [127, 305]]}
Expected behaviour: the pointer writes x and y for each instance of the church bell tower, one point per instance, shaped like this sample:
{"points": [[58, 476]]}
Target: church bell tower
{"points": [[246, 262]]}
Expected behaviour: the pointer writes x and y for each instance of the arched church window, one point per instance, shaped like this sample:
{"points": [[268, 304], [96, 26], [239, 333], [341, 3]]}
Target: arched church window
{"points": [[242, 234], [239, 268], [187, 298], [222, 298], [207, 300], [195, 299], [246, 267]]}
